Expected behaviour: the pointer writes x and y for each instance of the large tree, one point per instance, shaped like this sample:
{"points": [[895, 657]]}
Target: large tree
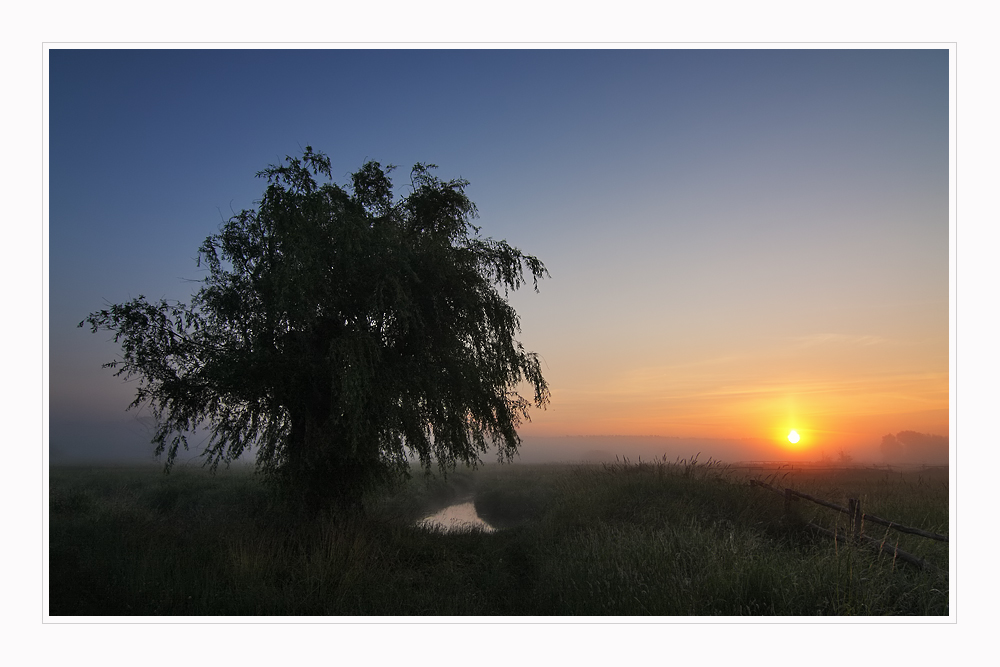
{"points": [[339, 334]]}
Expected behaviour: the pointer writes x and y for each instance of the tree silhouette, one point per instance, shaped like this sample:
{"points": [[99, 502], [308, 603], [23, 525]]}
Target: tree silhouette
{"points": [[339, 333]]}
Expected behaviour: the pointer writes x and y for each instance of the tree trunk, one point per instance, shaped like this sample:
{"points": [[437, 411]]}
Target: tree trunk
{"points": [[322, 467], [320, 470]]}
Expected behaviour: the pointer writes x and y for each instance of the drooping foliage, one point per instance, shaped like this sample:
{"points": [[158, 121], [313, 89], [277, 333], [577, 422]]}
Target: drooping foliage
{"points": [[339, 333]]}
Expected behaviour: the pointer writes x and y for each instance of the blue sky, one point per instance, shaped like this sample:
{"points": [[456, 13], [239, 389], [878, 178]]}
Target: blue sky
{"points": [[730, 233]]}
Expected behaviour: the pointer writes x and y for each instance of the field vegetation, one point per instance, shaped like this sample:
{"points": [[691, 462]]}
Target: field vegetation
{"points": [[627, 539]]}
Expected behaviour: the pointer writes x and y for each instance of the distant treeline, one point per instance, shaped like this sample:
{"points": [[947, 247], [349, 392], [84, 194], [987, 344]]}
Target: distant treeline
{"points": [[913, 447]]}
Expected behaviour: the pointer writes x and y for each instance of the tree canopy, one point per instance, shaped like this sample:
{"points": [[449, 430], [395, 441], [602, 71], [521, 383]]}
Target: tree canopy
{"points": [[339, 333]]}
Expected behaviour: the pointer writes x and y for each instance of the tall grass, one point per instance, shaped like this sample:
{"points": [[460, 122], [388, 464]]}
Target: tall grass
{"points": [[647, 538]]}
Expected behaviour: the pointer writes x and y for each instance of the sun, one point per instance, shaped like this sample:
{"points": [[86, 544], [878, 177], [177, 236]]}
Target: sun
{"points": [[793, 437]]}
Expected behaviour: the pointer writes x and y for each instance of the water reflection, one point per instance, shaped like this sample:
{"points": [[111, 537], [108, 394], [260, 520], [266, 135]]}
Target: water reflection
{"points": [[455, 518]]}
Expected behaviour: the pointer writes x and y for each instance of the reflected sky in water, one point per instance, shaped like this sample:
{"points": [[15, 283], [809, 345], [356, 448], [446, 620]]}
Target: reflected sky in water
{"points": [[462, 516]]}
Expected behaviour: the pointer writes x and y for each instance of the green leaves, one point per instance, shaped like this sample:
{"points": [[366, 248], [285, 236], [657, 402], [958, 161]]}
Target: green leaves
{"points": [[340, 332]]}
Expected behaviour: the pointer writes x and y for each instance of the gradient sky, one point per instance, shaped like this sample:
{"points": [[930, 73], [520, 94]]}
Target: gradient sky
{"points": [[741, 242]]}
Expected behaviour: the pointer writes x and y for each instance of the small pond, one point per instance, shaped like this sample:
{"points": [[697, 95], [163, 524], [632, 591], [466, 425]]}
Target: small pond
{"points": [[458, 517]]}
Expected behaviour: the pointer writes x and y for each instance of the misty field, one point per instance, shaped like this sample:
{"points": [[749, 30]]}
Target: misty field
{"points": [[627, 539]]}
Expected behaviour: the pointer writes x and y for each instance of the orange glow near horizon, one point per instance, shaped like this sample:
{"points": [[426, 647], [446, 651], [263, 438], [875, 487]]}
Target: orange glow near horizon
{"points": [[842, 376], [828, 414]]}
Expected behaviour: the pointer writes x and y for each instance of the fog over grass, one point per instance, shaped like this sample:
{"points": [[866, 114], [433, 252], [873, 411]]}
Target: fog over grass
{"points": [[127, 441]]}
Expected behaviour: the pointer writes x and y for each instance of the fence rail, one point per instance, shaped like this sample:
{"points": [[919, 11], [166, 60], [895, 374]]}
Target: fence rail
{"points": [[856, 526]]}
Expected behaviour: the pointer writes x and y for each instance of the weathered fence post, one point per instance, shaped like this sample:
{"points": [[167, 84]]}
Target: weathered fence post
{"points": [[855, 528], [854, 511]]}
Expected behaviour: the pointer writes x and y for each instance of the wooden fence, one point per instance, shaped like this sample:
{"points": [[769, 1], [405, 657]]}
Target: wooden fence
{"points": [[856, 522]]}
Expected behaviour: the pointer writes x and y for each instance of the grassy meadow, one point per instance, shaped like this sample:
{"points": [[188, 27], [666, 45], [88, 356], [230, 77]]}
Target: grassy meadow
{"points": [[628, 539]]}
